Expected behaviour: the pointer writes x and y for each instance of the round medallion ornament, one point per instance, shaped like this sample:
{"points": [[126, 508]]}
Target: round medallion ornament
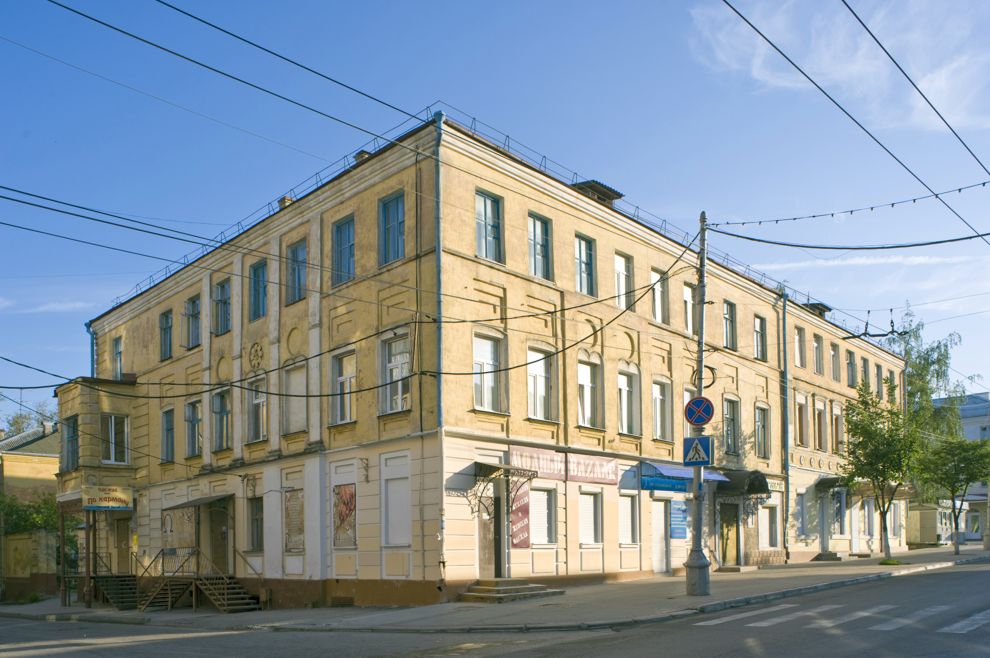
{"points": [[255, 356]]}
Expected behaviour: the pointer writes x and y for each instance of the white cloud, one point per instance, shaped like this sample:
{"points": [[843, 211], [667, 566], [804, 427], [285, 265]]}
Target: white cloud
{"points": [[58, 307], [4, 303], [945, 52], [865, 261]]}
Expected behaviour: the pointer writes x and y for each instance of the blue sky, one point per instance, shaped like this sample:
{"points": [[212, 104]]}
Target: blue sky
{"points": [[676, 104]]}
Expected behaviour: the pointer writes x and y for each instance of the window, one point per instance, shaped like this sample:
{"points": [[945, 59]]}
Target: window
{"points": [[584, 265], [258, 290], [257, 399], [294, 402], [760, 338], [800, 511], [890, 376], [895, 519], [70, 452], [221, 307], [624, 295], [801, 421], [660, 294], [168, 436], [194, 429], [730, 425], [662, 412], [878, 378], [113, 436], [540, 248], [589, 392], [343, 370], [192, 321], [689, 323], [165, 336], [628, 519], [729, 325], [395, 374], [487, 378], [850, 369], [762, 432], [821, 428], [256, 531], [628, 384], [590, 512], [819, 347], [295, 275], [864, 370], [488, 226], [397, 506], [800, 358], [688, 394], [542, 516], [869, 511], [221, 420], [838, 430], [343, 251], [118, 358], [391, 229], [838, 512], [768, 527], [833, 350], [539, 389]]}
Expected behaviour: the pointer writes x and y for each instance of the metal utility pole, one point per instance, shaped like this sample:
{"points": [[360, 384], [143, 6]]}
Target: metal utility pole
{"points": [[698, 576]]}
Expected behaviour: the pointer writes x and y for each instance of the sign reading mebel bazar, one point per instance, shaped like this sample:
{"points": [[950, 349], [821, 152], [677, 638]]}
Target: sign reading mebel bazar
{"points": [[107, 498]]}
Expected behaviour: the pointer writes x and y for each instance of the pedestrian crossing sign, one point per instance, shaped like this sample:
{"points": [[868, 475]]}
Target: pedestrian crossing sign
{"points": [[698, 451]]}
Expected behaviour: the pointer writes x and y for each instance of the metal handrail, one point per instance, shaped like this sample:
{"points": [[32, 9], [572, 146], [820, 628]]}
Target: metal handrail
{"points": [[193, 552], [158, 557], [249, 565], [98, 560]]}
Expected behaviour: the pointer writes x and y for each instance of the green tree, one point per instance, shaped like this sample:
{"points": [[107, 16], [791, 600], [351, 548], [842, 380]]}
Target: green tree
{"points": [[951, 465], [41, 513], [882, 449], [23, 420]]}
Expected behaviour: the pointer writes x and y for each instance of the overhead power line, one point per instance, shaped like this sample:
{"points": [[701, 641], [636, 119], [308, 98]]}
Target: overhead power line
{"points": [[916, 88], [856, 121], [834, 247]]}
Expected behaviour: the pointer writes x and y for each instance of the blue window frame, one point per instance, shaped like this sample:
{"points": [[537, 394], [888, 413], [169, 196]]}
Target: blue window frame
{"points": [[168, 436], [488, 226], [391, 229], [257, 300], [343, 251], [295, 280], [221, 307]]}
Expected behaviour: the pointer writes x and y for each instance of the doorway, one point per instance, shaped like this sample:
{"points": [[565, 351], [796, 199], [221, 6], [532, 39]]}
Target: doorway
{"points": [[728, 514], [854, 529], [122, 545], [823, 523], [661, 536], [491, 533], [218, 513]]}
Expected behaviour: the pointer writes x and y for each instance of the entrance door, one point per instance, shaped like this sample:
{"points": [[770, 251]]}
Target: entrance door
{"points": [[854, 529], [491, 533], [219, 533], [661, 536], [728, 514], [823, 523], [122, 546]]}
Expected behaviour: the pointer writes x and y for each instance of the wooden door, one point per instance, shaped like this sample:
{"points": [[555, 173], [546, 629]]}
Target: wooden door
{"points": [[219, 533], [122, 546], [729, 533]]}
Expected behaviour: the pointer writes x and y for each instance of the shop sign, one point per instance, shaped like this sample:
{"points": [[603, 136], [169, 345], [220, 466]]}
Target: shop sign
{"points": [[678, 519], [587, 468], [519, 518], [775, 485], [549, 464], [107, 498], [660, 483]]}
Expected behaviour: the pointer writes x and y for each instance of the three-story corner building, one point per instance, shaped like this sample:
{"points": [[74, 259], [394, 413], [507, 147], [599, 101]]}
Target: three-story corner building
{"points": [[445, 364]]}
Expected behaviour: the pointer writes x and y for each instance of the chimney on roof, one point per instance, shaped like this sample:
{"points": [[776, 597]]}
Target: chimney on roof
{"points": [[284, 202], [47, 427], [361, 156], [818, 308], [599, 191]]}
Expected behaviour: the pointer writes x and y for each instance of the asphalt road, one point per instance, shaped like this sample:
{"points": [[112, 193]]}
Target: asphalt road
{"points": [[942, 613]]}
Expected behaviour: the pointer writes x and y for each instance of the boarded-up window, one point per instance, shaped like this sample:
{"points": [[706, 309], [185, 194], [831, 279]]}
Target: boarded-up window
{"points": [[295, 531], [397, 505]]}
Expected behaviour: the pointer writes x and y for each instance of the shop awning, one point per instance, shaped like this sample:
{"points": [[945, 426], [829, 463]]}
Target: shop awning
{"points": [[485, 470], [685, 472], [195, 502], [828, 482], [744, 483]]}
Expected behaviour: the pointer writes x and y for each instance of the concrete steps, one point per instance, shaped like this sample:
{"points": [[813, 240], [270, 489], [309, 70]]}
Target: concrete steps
{"points": [[502, 590]]}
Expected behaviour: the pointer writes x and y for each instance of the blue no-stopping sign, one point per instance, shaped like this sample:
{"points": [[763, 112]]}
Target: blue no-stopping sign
{"points": [[699, 411]]}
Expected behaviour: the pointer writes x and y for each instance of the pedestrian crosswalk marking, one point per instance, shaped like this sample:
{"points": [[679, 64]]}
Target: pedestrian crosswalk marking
{"points": [[912, 618], [794, 615], [852, 616], [968, 624], [743, 615]]}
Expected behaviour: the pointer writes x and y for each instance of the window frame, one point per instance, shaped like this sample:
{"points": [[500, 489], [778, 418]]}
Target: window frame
{"points": [[221, 307], [70, 450], [625, 296], [117, 358], [391, 237], [818, 347], [110, 442], [537, 370], [632, 500], [194, 428], [167, 455], [835, 355], [258, 290], [342, 386], [257, 409], [660, 296], [287, 421], [595, 416], [489, 378], [165, 335], [585, 265], [851, 373], [343, 267], [663, 410], [400, 384], [541, 243], [730, 337], [296, 270], [800, 355], [221, 416], [690, 309], [760, 338], [628, 411], [256, 524], [551, 511], [761, 431], [489, 229], [730, 441], [193, 314], [596, 502]]}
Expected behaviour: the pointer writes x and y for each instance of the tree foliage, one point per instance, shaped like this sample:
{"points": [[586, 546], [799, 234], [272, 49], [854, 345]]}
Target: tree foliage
{"points": [[882, 451], [28, 516], [950, 466], [24, 420]]}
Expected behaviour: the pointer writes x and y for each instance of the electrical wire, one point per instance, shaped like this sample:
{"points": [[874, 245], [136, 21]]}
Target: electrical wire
{"points": [[982, 236], [875, 247]]}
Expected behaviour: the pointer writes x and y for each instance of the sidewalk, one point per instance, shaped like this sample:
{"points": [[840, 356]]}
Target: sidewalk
{"points": [[582, 608]]}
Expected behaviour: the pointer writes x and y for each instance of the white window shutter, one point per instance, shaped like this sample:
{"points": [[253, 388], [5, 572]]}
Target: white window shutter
{"points": [[539, 516]]}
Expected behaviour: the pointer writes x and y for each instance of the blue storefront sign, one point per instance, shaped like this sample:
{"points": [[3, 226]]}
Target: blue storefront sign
{"points": [[659, 483], [678, 519]]}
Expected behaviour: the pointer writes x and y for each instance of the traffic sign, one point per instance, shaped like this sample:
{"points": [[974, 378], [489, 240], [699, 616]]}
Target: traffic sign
{"points": [[698, 451], [699, 411]]}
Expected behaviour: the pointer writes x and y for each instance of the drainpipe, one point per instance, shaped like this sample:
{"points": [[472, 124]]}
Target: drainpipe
{"points": [[92, 348], [785, 443], [438, 117]]}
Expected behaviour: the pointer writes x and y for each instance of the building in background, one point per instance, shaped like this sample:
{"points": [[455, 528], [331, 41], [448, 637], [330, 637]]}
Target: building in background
{"points": [[974, 410], [447, 364]]}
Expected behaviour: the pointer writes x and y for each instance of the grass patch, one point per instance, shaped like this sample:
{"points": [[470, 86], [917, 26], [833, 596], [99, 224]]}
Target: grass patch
{"points": [[891, 563]]}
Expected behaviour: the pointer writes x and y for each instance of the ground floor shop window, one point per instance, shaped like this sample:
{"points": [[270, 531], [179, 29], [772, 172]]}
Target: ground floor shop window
{"points": [[256, 518], [542, 516], [591, 518]]}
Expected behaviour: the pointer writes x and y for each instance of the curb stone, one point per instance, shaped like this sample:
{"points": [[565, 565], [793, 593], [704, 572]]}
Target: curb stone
{"points": [[673, 615]]}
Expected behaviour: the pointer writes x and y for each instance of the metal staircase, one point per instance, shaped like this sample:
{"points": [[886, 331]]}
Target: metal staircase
{"points": [[166, 593], [227, 594], [120, 591]]}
